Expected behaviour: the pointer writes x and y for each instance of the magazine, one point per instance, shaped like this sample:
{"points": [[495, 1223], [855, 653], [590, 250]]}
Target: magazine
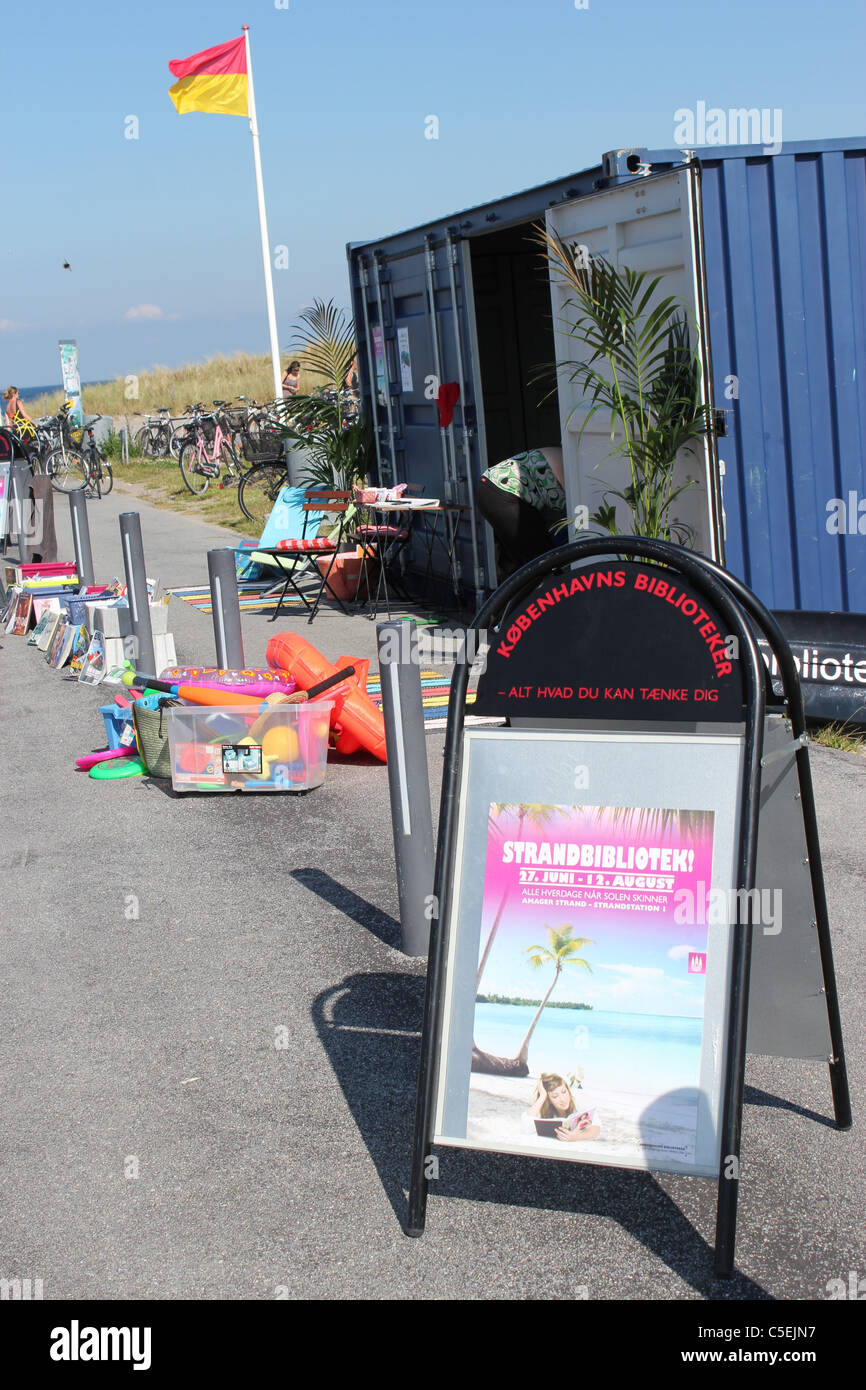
{"points": [[52, 655], [80, 644], [43, 641], [21, 615], [93, 666], [42, 624]]}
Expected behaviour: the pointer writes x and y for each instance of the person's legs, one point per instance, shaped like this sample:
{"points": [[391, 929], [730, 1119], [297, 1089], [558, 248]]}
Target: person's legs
{"points": [[522, 532]]}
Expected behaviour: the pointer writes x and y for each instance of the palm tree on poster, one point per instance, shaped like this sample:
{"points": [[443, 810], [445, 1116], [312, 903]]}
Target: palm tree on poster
{"points": [[538, 814], [562, 949]]}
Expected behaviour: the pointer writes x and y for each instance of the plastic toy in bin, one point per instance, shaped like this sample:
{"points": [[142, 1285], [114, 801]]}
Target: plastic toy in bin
{"points": [[357, 721], [289, 753], [280, 744], [254, 681]]}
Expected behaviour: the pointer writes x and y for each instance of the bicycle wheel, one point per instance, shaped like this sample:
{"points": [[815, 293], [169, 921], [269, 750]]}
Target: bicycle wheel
{"points": [[242, 445], [67, 469], [141, 441], [229, 460], [259, 489], [177, 439], [104, 477], [191, 472]]}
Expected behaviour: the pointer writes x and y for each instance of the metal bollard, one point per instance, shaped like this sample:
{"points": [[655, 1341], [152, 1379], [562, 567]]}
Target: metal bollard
{"points": [[408, 780], [19, 481], [136, 590], [81, 537], [228, 638]]}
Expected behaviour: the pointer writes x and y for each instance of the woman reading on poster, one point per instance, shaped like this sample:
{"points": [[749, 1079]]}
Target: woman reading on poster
{"points": [[554, 1101]]}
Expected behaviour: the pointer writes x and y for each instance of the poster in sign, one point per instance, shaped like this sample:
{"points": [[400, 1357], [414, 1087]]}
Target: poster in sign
{"points": [[405, 355], [71, 379], [379, 358], [589, 1016], [587, 970]]}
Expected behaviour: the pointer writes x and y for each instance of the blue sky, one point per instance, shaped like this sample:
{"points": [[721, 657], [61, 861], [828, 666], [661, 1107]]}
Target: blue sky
{"points": [[523, 93]]}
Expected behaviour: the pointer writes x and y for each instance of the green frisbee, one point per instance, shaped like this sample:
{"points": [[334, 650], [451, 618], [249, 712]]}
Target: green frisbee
{"points": [[116, 768]]}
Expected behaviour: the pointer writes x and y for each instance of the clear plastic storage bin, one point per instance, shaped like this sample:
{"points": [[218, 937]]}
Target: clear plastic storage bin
{"points": [[283, 748]]}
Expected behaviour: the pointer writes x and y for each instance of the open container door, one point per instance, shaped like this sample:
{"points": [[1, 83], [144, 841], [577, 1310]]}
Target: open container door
{"points": [[653, 224]]}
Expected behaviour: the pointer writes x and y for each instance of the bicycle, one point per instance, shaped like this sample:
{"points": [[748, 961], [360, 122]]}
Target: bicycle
{"points": [[153, 440], [197, 466], [65, 464], [257, 436], [99, 475], [259, 489], [27, 441], [184, 428]]}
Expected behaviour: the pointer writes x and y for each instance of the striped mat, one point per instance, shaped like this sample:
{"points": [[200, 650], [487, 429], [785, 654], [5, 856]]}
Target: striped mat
{"points": [[251, 597], [434, 695]]}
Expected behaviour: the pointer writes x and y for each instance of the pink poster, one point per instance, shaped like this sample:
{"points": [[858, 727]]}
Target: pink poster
{"points": [[589, 1016]]}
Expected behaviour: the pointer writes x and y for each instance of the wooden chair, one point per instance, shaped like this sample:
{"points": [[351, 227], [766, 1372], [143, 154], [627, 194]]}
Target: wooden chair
{"points": [[297, 557]]}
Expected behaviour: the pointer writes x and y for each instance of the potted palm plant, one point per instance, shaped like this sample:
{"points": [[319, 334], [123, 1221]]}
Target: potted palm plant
{"points": [[636, 363], [328, 426]]}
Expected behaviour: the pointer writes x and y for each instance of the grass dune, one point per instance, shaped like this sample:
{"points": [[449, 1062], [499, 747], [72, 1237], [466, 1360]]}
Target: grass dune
{"points": [[218, 378]]}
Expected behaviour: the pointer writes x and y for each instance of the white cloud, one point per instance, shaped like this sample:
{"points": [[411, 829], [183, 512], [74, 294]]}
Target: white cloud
{"points": [[10, 326], [636, 972], [148, 312], [681, 952]]}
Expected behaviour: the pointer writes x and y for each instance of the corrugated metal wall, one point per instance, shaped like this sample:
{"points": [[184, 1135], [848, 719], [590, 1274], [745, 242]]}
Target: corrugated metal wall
{"points": [[786, 255]]}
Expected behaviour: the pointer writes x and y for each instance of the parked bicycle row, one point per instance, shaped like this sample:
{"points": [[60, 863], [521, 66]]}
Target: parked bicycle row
{"points": [[252, 428], [70, 457]]}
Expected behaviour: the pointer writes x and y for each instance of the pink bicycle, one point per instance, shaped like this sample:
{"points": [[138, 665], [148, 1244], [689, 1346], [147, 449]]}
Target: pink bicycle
{"points": [[209, 451]]}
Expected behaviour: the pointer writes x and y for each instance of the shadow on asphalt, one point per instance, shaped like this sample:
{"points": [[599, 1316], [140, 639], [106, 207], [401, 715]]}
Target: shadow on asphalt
{"points": [[753, 1096], [372, 918], [370, 1026]]}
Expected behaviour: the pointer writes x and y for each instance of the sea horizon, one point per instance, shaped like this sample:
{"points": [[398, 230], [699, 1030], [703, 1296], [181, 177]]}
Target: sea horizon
{"points": [[28, 393]]}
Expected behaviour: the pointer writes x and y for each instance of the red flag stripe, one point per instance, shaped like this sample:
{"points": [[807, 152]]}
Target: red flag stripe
{"points": [[224, 59]]}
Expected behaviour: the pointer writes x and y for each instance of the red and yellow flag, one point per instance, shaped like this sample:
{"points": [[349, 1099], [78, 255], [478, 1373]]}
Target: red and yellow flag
{"points": [[214, 80]]}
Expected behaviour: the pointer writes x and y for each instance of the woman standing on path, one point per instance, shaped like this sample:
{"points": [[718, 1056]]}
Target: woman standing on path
{"points": [[291, 380]]}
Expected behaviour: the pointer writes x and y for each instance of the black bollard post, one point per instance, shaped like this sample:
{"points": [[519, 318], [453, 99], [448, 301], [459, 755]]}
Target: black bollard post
{"points": [[408, 780], [136, 590], [228, 638], [81, 537]]}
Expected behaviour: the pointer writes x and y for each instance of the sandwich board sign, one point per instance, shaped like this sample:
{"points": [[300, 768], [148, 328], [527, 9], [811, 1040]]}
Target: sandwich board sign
{"points": [[597, 890]]}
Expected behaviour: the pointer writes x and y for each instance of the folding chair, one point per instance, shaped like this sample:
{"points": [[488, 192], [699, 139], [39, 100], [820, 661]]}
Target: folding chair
{"points": [[296, 556]]}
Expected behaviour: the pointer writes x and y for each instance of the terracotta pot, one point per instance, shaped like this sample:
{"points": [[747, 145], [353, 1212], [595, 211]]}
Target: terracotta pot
{"points": [[345, 574]]}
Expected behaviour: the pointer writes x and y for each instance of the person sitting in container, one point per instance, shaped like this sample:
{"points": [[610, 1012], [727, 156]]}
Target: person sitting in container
{"points": [[521, 498]]}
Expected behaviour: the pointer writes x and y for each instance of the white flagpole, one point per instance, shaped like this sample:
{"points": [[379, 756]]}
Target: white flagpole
{"points": [[263, 225]]}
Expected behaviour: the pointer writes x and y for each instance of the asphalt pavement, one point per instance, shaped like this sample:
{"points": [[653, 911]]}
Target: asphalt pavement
{"points": [[211, 1039]]}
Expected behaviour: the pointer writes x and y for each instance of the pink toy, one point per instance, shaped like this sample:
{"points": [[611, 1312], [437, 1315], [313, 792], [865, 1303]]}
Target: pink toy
{"points": [[91, 759], [253, 681]]}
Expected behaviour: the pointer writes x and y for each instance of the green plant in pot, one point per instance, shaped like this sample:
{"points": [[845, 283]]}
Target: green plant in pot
{"points": [[326, 422], [639, 367]]}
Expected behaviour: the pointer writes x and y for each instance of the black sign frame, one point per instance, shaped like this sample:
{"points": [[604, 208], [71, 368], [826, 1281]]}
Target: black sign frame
{"points": [[742, 611]]}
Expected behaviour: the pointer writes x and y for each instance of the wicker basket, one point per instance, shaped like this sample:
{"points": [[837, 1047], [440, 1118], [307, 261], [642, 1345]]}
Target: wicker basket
{"points": [[151, 735]]}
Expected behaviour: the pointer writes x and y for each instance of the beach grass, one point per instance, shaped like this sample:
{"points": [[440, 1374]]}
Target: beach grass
{"points": [[839, 736], [218, 378]]}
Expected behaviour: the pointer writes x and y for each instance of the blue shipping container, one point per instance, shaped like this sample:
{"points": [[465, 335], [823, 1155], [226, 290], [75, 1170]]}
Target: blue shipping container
{"points": [[784, 249]]}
